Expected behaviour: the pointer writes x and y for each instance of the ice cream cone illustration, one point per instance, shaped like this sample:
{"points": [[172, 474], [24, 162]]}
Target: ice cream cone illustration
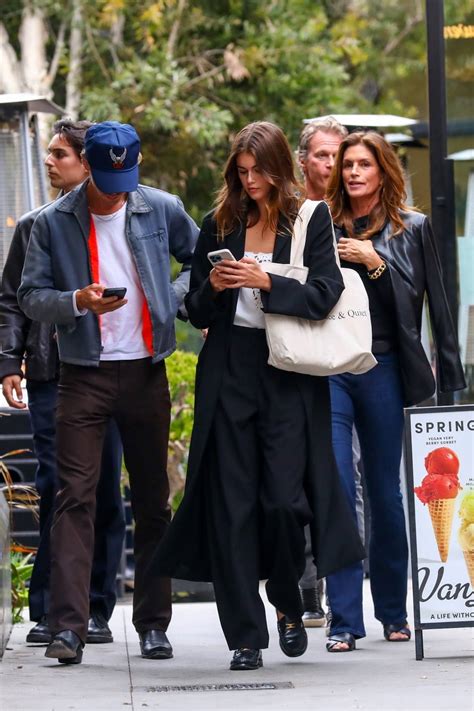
{"points": [[469, 558], [442, 512], [466, 533], [439, 489]]}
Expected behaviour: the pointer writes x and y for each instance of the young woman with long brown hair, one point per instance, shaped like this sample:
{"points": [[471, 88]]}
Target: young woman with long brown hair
{"points": [[261, 463], [393, 249]]}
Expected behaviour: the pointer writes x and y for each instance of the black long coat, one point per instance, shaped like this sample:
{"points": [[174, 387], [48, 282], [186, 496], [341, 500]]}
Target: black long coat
{"points": [[183, 552]]}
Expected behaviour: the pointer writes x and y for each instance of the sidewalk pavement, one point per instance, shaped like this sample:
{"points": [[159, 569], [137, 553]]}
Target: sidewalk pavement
{"points": [[378, 676]]}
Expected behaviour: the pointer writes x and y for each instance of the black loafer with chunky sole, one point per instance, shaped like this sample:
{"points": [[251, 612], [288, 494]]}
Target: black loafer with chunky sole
{"points": [[40, 633], [293, 637], [98, 631], [246, 660]]}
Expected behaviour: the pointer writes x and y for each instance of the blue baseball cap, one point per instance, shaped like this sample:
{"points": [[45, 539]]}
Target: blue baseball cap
{"points": [[112, 150]]}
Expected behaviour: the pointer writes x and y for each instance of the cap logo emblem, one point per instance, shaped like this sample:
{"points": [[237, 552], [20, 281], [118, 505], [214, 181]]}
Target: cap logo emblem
{"points": [[117, 161]]}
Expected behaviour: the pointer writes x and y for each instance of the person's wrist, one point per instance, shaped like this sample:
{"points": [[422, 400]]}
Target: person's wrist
{"points": [[79, 302], [215, 289], [374, 261], [378, 271]]}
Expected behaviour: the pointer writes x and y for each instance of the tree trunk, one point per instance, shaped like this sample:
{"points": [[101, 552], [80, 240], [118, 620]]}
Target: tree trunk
{"points": [[11, 79], [73, 83], [33, 37], [116, 37]]}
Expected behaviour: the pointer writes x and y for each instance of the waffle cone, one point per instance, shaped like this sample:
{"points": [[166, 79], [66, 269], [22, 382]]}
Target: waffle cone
{"points": [[469, 558], [441, 512]]}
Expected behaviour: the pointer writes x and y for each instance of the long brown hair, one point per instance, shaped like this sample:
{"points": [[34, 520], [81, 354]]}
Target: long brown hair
{"points": [[269, 146], [392, 193]]}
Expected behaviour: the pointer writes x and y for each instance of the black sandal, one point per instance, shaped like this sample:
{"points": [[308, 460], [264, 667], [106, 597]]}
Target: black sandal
{"points": [[345, 638], [402, 628]]}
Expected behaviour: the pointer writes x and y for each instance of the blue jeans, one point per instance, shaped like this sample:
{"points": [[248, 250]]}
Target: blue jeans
{"points": [[374, 403], [110, 520]]}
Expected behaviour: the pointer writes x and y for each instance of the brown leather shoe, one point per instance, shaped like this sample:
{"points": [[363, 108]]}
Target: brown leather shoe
{"points": [[66, 647]]}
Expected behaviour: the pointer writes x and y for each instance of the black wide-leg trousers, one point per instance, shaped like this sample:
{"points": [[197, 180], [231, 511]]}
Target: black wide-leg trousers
{"points": [[256, 505]]}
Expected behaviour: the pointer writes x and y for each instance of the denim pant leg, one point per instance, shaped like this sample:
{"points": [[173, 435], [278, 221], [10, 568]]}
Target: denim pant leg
{"points": [[379, 421], [359, 491], [109, 526], [42, 399], [344, 588]]}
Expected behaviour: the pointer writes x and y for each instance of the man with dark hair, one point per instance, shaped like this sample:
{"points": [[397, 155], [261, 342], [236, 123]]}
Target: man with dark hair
{"points": [[22, 338], [110, 233]]}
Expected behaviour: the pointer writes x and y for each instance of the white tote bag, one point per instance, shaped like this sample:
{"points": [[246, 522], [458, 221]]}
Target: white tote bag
{"points": [[340, 343]]}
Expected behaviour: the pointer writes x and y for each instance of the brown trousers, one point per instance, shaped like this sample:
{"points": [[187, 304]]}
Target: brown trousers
{"points": [[136, 394]]}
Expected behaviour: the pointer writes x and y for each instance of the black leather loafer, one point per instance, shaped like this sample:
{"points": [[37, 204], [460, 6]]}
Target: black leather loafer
{"points": [[154, 644], [293, 637], [246, 660], [40, 633], [98, 631], [66, 647]]}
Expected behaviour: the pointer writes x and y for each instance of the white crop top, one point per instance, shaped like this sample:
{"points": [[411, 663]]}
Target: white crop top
{"points": [[249, 305]]}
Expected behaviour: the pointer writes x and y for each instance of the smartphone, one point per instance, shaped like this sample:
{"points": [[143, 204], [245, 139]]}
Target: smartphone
{"points": [[219, 255], [119, 291]]}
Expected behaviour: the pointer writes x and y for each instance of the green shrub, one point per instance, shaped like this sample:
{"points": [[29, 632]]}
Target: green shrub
{"points": [[26, 498], [181, 369], [21, 570]]}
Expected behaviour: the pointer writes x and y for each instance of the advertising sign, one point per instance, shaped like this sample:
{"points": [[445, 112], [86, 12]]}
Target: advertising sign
{"points": [[440, 483]]}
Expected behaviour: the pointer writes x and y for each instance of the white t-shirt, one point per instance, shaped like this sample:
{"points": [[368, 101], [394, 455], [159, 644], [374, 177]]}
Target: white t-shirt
{"points": [[121, 330], [249, 305]]}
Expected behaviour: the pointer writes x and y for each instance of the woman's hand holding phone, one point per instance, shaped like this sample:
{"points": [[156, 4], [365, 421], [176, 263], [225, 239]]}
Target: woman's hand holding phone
{"points": [[234, 275], [218, 278], [218, 258]]}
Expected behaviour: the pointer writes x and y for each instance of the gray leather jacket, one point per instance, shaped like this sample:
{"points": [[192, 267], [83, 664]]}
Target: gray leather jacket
{"points": [[57, 263]]}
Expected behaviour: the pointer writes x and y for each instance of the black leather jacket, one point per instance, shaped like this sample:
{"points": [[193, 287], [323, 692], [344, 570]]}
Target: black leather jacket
{"points": [[415, 270], [19, 336]]}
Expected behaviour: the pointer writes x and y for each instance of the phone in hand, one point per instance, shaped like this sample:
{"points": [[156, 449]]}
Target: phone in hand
{"points": [[219, 255], [119, 291]]}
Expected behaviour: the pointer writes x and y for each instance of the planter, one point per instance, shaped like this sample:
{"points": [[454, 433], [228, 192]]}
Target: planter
{"points": [[5, 576]]}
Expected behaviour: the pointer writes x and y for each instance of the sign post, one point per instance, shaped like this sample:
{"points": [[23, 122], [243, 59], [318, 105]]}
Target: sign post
{"points": [[443, 215], [440, 484]]}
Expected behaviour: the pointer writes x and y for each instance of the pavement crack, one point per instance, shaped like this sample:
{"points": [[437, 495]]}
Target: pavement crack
{"points": [[128, 661]]}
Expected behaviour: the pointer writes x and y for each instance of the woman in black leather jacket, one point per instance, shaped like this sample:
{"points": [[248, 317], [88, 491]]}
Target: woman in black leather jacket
{"points": [[393, 249]]}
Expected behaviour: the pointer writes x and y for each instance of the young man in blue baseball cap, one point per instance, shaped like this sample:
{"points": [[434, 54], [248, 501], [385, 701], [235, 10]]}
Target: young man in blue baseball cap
{"points": [[109, 237], [35, 343], [113, 154]]}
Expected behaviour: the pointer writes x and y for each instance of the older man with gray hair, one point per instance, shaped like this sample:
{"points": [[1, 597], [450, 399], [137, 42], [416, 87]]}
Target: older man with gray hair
{"points": [[317, 150]]}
